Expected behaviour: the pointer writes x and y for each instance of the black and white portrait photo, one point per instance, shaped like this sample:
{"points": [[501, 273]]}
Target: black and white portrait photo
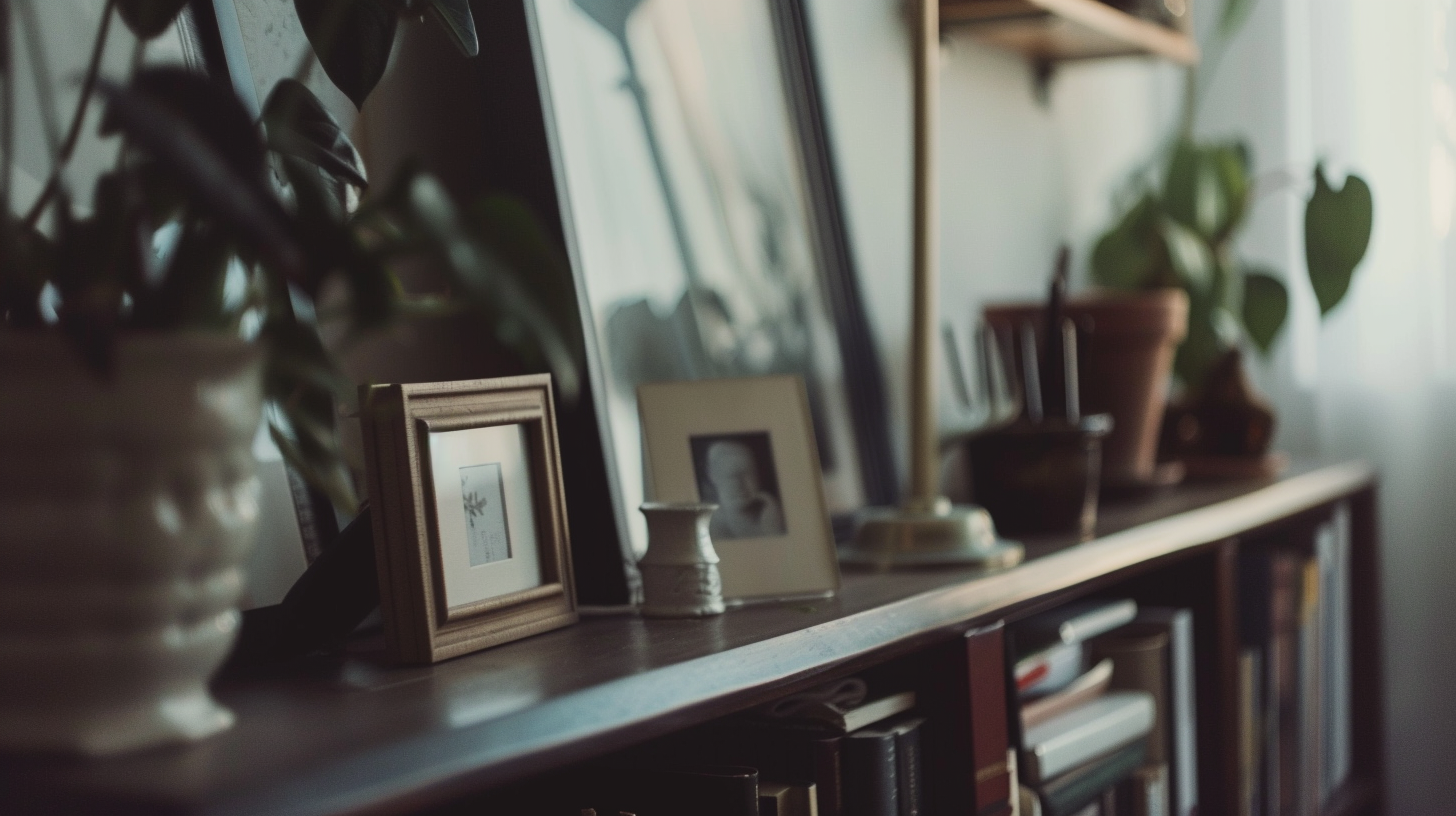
{"points": [[487, 537], [736, 472]]}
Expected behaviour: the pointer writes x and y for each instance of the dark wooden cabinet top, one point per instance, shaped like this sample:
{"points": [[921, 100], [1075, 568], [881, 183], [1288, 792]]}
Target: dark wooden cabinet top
{"points": [[353, 735]]}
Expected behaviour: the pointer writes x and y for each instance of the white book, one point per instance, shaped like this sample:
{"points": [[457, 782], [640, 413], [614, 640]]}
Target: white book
{"points": [[1077, 622], [1178, 624], [1085, 733]]}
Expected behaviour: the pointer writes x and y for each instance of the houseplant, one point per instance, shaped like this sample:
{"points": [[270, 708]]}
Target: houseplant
{"points": [[1179, 231], [140, 338]]}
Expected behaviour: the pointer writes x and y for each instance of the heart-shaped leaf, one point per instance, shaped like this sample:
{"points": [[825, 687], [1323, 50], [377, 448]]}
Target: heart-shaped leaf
{"points": [[1337, 226], [1233, 168], [1123, 257], [1266, 305], [352, 38], [1191, 192], [455, 16], [148, 18], [298, 124], [1189, 255]]}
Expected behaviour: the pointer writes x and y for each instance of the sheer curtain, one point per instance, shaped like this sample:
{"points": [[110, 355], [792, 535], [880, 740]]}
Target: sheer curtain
{"points": [[1367, 85]]}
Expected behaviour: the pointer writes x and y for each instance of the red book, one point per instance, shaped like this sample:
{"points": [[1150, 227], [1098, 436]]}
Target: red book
{"points": [[986, 676]]}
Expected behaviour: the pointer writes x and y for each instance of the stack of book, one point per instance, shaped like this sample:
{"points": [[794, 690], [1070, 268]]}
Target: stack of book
{"points": [[1294, 664], [815, 755], [1107, 711]]}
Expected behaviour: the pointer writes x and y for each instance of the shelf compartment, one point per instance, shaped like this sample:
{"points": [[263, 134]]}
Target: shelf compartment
{"points": [[1057, 30]]}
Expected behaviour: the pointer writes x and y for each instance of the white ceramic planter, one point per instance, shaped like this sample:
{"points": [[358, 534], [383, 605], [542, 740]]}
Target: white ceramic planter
{"points": [[126, 510]]}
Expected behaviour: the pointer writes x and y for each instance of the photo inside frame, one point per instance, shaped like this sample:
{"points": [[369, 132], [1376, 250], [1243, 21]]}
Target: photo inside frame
{"points": [[485, 512], [737, 472]]}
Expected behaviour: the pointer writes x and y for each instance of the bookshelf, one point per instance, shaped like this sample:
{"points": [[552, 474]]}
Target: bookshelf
{"points": [[1056, 30], [351, 735]]}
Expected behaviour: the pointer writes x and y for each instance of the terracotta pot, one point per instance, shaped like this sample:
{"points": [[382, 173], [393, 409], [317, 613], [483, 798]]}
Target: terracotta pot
{"points": [[1126, 343], [127, 507]]}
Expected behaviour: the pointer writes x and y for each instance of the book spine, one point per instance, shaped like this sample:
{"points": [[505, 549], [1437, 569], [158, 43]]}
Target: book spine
{"points": [[986, 681], [871, 787], [909, 773], [828, 776], [1185, 719]]}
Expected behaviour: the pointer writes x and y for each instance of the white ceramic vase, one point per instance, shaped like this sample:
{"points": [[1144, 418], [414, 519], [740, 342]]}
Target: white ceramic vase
{"points": [[127, 507], [680, 576]]}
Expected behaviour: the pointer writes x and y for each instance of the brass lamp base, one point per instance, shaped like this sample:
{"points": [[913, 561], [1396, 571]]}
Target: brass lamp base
{"points": [[927, 535]]}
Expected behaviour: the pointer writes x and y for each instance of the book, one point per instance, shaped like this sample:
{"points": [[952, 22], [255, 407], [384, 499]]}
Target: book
{"points": [[700, 790], [1085, 733], [1286, 569], [871, 784], [1076, 789], [845, 720], [786, 752], [1088, 687], [989, 726], [1144, 792], [1182, 710], [909, 775], [1048, 670], [1310, 701], [1251, 662], [780, 799], [1075, 622]]}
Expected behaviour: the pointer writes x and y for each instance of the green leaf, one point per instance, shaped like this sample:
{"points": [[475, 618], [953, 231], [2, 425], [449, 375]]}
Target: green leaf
{"points": [[1232, 168], [1235, 12], [331, 246], [1191, 192], [352, 38], [1337, 225], [1191, 258], [1207, 340], [297, 124], [508, 227], [27, 259], [1123, 257], [301, 382], [455, 16], [214, 181], [492, 286], [148, 18], [1266, 305]]}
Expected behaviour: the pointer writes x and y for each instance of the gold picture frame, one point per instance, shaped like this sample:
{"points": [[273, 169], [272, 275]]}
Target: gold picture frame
{"points": [[469, 514], [753, 437]]}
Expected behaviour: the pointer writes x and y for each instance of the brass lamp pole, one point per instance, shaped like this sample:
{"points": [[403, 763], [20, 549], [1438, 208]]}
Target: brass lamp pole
{"points": [[927, 529]]}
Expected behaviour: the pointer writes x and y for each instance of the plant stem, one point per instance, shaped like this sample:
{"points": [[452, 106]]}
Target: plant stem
{"points": [[73, 136]]}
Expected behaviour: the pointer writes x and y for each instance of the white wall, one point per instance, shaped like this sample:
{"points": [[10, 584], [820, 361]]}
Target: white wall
{"points": [[1017, 177]]}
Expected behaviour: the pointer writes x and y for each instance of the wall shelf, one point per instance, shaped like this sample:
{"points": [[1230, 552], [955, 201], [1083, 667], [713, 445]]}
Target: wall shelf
{"points": [[329, 736], [1057, 30]]}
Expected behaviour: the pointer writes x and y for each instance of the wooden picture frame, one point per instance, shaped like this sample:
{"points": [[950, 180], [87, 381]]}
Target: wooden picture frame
{"points": [[754, 435], [448, 587]]}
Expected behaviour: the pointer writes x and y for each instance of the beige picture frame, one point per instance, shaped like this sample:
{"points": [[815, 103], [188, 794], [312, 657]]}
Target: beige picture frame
{"points": [[469, 514], [746, 444]]}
